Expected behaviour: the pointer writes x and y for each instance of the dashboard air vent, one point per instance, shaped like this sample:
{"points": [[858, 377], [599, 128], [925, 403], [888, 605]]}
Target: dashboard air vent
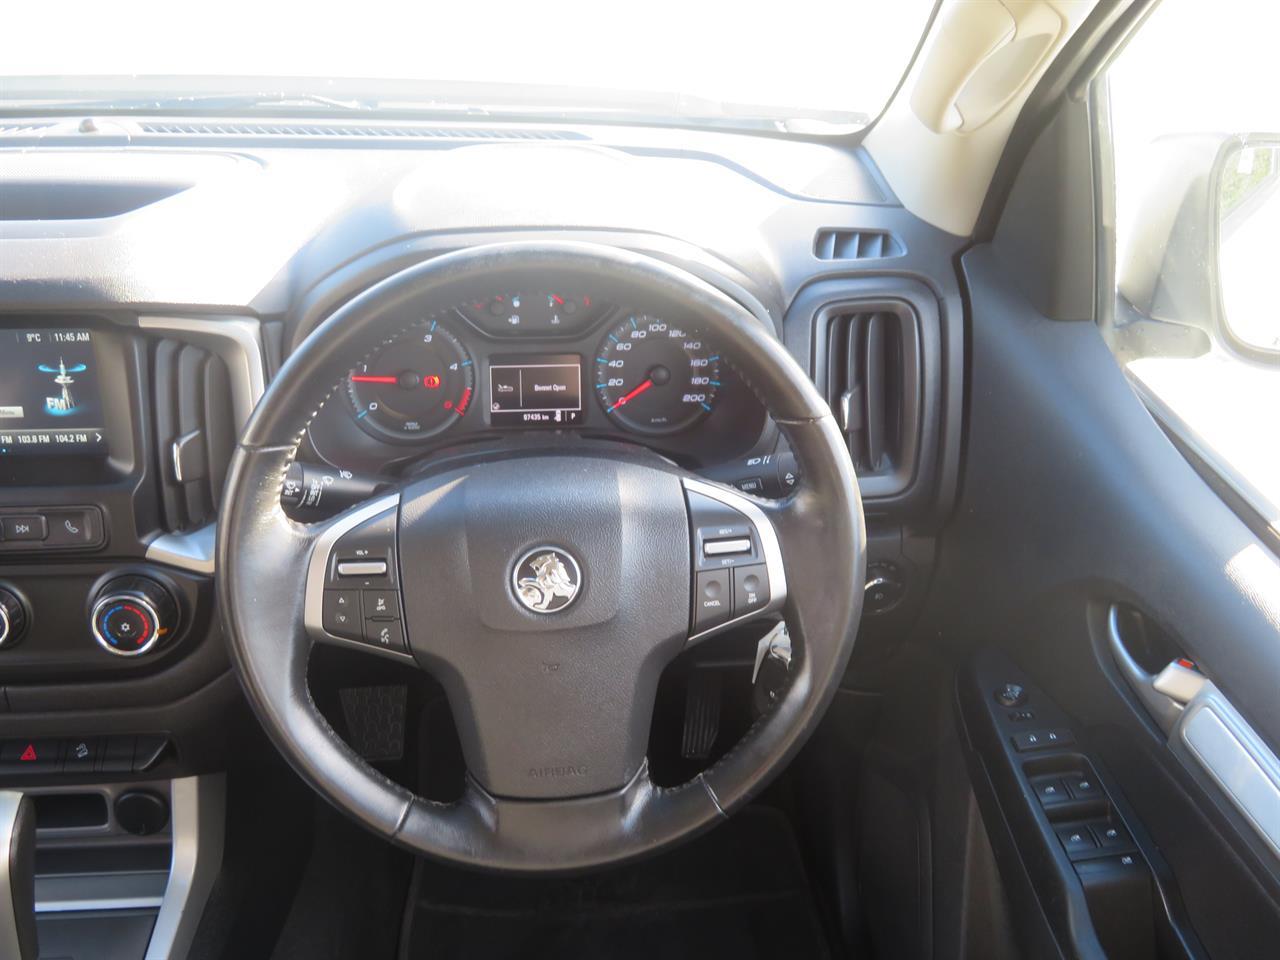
{"points": [[212, 128], [194, 431], [840, 244], [869, 368]]}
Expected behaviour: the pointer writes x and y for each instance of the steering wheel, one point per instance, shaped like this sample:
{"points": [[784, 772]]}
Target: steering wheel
{"points": [[619, 548]]}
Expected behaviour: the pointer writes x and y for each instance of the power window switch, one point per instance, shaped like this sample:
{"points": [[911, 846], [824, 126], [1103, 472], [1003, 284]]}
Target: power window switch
{"points": [[1051, 791], [1104, 870], [1076, 840], [1084, 788], [1112, 836]]}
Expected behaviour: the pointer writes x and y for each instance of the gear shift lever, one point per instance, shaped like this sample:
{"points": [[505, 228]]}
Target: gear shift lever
{"points": [[17, 876]]}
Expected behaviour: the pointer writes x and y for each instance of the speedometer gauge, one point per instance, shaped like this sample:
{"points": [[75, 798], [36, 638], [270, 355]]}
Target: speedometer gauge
{"points": [[656, 377], [414, 387]]}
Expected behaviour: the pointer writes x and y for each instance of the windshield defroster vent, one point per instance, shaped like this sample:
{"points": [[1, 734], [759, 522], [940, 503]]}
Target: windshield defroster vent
{"points": [[841, 244], [213, 128], [868, 366], [194, 431], [17, 128]]}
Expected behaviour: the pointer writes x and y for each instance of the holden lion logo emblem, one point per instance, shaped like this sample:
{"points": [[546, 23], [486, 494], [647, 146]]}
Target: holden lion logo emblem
{"points": [[546, 580]]}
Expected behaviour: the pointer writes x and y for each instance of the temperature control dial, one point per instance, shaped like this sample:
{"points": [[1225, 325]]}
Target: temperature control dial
{"points": [[132, 616]]}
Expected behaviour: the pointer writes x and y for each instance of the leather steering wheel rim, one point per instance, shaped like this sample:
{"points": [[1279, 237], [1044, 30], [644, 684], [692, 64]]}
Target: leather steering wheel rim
{"points": [[261, 553]]}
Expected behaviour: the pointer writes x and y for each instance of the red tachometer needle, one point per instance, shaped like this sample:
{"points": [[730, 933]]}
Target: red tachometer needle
{"points": [[641, 388], [370, 378]]}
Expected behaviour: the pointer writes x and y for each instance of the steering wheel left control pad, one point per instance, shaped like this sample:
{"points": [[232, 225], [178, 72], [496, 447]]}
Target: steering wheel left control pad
{"points": [[355, 573]]}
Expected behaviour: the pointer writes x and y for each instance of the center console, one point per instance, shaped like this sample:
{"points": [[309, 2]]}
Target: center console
{"points": [[115, 433]]}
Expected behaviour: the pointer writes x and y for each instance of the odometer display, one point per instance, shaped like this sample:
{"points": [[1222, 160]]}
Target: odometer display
{"points": [[656, 377], [414, 387]]}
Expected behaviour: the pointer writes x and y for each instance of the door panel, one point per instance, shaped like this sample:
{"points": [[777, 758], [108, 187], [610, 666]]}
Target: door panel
{"points": [[1074, 500]]}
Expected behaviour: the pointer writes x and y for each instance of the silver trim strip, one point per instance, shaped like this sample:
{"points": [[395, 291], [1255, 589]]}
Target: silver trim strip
{"points": [[238, 341], [1237, 759], [313, 604], [192, 550], [10, 803], [199, 814], [138, 890], [769, 546]]}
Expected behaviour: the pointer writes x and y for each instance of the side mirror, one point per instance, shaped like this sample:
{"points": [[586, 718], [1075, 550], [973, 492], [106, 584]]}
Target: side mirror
{"points": [[1249, 243], [1204, 237]]}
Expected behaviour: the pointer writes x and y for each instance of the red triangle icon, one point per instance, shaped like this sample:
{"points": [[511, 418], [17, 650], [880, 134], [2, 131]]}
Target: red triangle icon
{"points": [[29, 753]]}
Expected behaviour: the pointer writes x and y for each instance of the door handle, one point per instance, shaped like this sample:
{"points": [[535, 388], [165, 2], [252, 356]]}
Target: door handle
{"points": [[1163, 709]]}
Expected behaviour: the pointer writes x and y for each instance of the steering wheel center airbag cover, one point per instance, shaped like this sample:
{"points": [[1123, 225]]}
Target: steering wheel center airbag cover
{"points": [[548, 705]]}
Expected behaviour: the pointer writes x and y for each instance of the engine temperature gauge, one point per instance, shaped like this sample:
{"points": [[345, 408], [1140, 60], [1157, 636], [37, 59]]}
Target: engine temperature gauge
{"points": [[414, 387]]}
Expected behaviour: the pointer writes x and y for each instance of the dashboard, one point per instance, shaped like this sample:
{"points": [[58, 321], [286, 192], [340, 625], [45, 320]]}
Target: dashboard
{"points": [[142, 318], [554, 361]]}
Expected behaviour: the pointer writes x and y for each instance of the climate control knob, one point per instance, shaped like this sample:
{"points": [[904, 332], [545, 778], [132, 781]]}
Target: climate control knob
{"points": [[13, 618], [132, 616]]}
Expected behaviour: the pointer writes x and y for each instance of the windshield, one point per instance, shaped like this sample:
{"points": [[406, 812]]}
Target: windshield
{"points": [[835, 62]]}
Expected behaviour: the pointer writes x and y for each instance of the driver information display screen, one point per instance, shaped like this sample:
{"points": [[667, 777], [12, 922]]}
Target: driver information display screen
{"points": [[534, 391], [49, 398]]}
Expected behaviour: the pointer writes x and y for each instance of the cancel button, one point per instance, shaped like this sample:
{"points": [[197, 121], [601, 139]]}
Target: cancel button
{"points": [[712, 599]]}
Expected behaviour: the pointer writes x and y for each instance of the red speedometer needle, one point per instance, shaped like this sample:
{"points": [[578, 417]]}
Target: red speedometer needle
{"points": [[643, 386], [370, 378]]}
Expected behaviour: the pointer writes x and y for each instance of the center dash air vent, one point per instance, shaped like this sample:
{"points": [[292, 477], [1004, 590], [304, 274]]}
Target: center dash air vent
{"points": [[194, 431], [868, 366], [840, 244], [346, 131]]}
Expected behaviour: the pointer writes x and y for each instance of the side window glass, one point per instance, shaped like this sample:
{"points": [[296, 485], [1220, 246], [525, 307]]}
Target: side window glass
{"points": [[1195, 131]]}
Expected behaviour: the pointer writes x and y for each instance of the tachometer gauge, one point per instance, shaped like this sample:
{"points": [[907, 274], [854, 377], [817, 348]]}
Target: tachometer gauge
{"points": [[655, 377], [415, 386]]}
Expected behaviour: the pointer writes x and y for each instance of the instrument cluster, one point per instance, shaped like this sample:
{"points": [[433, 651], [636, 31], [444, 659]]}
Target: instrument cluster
{"points": [[539, 361]]}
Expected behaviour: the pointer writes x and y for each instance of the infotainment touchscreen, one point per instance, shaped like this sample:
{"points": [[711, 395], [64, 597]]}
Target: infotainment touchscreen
{"points": [[49, 397], [542, 390]]}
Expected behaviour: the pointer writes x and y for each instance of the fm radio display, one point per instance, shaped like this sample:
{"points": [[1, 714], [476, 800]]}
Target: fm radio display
{"points": [[535, 391], [49, 399]]}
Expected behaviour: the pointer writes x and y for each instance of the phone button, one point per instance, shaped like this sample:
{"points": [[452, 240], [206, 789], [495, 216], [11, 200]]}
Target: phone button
{"points": [[73, 528]]}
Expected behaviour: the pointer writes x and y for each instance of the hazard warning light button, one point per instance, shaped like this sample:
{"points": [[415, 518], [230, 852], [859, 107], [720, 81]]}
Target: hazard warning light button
{"points": [[29, 756]]}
